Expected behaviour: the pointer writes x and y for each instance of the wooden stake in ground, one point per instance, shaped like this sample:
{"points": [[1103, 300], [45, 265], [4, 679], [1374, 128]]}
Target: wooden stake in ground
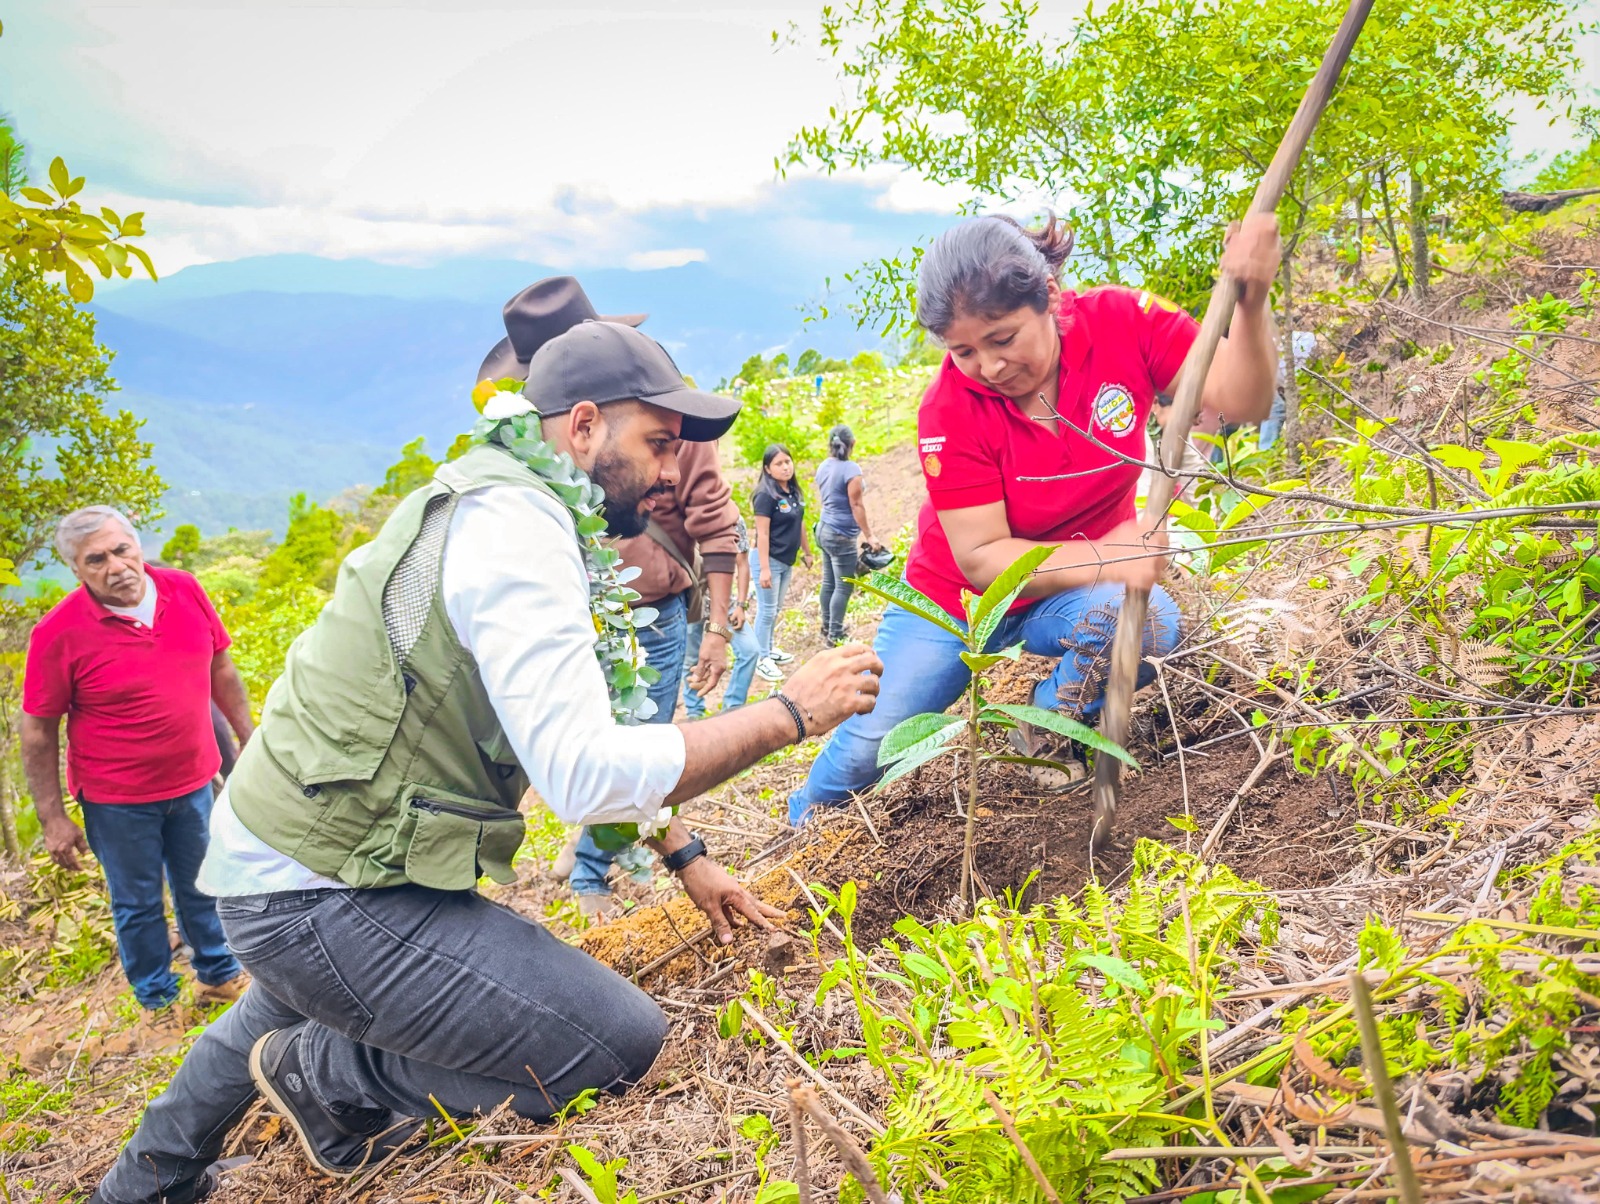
{"points": [[854, 1158], [1127, 648], [1405, 1173]]}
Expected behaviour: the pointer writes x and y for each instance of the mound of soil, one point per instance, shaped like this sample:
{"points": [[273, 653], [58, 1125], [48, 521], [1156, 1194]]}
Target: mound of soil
{"points": [[1289, 832], [1284, 834]]}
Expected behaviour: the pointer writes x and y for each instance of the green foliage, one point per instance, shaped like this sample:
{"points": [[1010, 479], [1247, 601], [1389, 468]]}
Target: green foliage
{"points": [[181, 550], [13, 159], [265, 625], [1081, 1019], [1157, 117], [602, 1176], [878, 403], [47, 230], [920, 739], [310, 549], [412, 471], [27, 1108], [59, 448]]}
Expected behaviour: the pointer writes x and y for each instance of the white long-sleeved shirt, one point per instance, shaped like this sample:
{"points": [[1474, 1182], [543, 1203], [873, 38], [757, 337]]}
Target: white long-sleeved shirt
{"points": [[517, 594]]}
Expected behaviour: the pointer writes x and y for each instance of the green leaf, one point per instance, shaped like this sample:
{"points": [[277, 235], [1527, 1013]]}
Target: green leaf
{"points": [[911, 762], [778, 1191], [984, 614], [59, 179], [1184, 823], [80, 285], [911, 734], [1008, 992], [979, 661], [924, 966], [1513, 455], [755, 1126], [907, 597], [139, 254], [1056, 722], [1114, 968]]}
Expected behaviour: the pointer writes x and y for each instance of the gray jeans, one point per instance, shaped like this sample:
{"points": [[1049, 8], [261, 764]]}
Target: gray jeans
{"points": [[840, 559], [411, 993]]}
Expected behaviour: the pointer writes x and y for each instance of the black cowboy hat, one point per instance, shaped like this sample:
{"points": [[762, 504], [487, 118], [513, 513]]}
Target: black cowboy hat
{"points": [[537, 314]]}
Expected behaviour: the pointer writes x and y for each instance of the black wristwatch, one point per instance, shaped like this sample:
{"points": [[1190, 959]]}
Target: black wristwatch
{"points": [[679, 861]]}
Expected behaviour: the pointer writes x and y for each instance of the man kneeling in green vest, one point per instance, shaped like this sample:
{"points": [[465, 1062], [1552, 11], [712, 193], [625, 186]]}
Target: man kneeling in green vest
{"points": [[469, 651]]}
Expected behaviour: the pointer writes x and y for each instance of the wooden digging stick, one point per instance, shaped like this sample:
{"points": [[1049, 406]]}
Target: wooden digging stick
{"points": [[1126, 648]]}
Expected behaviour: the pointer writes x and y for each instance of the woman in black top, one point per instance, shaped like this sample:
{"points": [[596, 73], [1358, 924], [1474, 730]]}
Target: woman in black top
{"points": [[780, 535]]}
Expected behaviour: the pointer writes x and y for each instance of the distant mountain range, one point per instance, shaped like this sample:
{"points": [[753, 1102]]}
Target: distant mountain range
{"points": [[263, 377]]}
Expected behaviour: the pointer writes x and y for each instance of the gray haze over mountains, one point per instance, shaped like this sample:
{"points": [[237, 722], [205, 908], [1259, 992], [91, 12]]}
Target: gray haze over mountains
{"points": [[259, 378]]}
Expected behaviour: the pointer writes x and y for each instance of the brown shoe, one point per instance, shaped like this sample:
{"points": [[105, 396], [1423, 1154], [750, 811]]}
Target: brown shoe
{"points": [[223, 992]]}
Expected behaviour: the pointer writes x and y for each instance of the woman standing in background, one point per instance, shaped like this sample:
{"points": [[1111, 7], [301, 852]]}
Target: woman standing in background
{"points": [[842, 528], [780, 536]]}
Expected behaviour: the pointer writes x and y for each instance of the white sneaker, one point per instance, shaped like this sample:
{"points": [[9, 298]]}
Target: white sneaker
{"points": [[780, 657], [766, 669]]}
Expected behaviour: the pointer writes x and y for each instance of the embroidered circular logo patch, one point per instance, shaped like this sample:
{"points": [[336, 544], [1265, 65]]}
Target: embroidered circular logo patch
{"points": [[1114, 410], [931, 465]]}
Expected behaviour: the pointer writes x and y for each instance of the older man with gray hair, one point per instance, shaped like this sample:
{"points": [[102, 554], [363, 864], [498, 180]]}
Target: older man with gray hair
{"points": [[133, 659]]}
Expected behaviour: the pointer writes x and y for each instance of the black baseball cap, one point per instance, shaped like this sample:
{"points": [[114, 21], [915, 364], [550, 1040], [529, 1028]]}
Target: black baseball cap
{"points": [[605, 361]]}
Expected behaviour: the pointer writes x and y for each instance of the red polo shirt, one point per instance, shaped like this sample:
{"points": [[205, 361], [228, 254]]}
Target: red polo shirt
{"points": [[137, 699], [1119, 347]]}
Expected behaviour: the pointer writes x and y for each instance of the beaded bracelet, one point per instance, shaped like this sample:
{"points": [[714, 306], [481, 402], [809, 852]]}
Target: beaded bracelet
{"points": [[794, 713]]}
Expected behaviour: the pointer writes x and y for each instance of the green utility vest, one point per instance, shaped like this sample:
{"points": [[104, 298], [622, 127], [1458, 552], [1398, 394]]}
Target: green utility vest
{"points": [[375, 770]]}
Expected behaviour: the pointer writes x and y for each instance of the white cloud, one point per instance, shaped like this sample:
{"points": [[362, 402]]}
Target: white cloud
{"points": [[672, 257], [366, 106]]}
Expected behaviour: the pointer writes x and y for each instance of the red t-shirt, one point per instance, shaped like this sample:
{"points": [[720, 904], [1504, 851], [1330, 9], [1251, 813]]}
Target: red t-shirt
{"points": [[137, 699], [1118, 348]]}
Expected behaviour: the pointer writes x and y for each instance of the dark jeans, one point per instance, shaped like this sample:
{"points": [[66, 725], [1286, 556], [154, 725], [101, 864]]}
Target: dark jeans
{"points": [[413, 995], [841, 559], [664, 642], [134, 843]]}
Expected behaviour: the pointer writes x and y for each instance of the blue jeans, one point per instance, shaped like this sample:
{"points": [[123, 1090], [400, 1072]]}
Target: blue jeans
{"points": [[923, 672], [133, 842], [1273, 426], [841, 560], [736, 690], [769, 602], [663, 643]]}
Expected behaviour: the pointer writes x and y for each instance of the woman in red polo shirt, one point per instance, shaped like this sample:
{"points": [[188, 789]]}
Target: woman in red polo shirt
{"points": [[1018, 437]]}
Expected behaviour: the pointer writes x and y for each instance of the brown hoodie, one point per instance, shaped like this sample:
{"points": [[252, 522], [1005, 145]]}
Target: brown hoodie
{"points": [[699, 511]]}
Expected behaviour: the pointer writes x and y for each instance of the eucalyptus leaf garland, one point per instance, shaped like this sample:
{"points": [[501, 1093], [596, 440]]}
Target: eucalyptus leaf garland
{"points": [[509, 422]]}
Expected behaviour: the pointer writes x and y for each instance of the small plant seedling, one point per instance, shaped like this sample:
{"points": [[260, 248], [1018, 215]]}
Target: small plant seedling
{"points": [[924, 738]]}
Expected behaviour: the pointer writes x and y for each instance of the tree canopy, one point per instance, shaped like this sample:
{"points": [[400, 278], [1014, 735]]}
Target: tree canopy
{"points": [[1150, 120], [59, 448]]}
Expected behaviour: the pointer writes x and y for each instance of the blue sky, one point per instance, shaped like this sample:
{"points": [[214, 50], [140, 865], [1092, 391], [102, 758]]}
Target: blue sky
{"points": [[619, 134]]}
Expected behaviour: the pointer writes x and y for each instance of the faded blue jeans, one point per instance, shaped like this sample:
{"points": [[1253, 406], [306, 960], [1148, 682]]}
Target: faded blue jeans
{"points": [[736, 690], [769, 601], [663, 642], [923, 672], [135, 843]]}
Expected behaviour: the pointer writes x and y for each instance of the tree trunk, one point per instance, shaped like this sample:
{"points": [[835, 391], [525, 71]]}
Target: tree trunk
{"points": [[1421, 261], [1389, 227], [8, 814], [1361, 234], [1108, 245], [1291, 387]]}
